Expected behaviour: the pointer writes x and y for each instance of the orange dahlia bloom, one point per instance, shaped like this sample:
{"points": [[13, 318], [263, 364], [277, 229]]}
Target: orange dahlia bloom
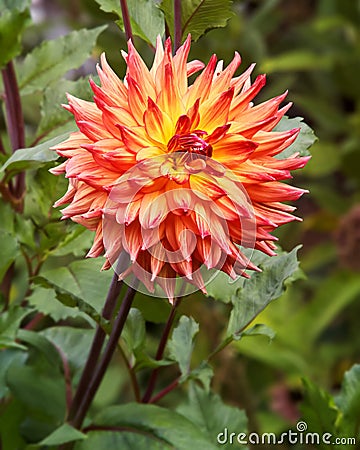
{"points": [[178, 176]]}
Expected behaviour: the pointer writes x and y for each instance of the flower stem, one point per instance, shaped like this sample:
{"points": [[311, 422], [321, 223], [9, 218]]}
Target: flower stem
{"points": [[165, 391], [97, 344], [177, 24], [99, 373], [160, 351], [15, 119], [126, 20]]}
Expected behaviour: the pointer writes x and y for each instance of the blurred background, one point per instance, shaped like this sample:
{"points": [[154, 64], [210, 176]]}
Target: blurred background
{"points": [[311, 48]]}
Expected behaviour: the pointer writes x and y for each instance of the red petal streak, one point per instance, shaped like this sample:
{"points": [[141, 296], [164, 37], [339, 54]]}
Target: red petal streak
{"points": [[214, 113]]}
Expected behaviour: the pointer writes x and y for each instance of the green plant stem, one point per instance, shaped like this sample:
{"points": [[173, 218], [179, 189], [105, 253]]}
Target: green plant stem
{"points": [[177, 24], [100, 370], [96, 347], [126, 20], [15, 120], [160, 351]]}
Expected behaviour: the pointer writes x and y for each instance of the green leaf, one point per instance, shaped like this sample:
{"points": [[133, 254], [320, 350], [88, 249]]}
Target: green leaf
{"points": [[14, 18], [204, 373], [318, 409], [134, 333], [303, 142], [7, 357], [182, 342], [198, 16], [147, 21], [349, 400], [262, 288], [65, 433], [52, 59], [9, 251], [32, 157], [53, 115], [162, 427], [67, 298], [223, 288], [10, 322], [84, 280], [73, 342], [213, 417], [46, 302], [258, 329], [40, 390]]}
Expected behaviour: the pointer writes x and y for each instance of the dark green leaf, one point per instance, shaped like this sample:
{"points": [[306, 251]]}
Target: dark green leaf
{"points": [[10, 322], [67, 298], [12, 24], [53, 115], [349, 400], [318, 409], [7, 357], [198, 16], [73, 342], [258, 329], [181, 343], [53, 59], [83, 280], [46, 302], [160, 424], [29, 158], [124, 440], [303, 142], [258, 291], [213, 417], [204, 373], [65, 433], [134, 332], [223, 288], [9, 251], [146, 19]]}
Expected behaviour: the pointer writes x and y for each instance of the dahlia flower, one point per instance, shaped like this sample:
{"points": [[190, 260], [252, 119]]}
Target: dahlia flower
{"points": [[178, 176]]}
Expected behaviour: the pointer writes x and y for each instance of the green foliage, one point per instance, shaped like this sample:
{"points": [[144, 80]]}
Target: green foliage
{"points": [[65, 433], [163, 429], [47, 63], [198, 16], [261, 289], [146, 19], [14, 18], [181, 343], [30, 158], [304, 141], [208, 411]]}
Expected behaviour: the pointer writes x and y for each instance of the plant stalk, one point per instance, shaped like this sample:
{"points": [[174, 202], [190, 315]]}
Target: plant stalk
{"points": [[15, 120], [100, 370], [177, 24], [96, 347], [160, 351], [126, 20]]}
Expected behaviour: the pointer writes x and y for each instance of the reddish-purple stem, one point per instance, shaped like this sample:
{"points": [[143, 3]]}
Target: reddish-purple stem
{"points": [[177, 24], [160, 351], [165, 391], [126, 20], [15, 119]]}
